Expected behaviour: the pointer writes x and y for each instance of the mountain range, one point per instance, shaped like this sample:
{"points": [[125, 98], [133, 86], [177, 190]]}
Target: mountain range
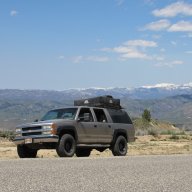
{"points": [[167, 102]]}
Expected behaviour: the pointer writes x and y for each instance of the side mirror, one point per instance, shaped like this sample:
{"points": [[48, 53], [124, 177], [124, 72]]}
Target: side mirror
{"points": [[36, 120]]}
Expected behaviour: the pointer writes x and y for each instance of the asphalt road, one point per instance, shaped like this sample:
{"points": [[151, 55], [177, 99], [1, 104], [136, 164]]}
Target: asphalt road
{"points": [[141, 173]]}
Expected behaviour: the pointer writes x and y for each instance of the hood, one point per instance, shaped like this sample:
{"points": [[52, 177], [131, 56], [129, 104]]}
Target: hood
{"points": [[48, 122]]}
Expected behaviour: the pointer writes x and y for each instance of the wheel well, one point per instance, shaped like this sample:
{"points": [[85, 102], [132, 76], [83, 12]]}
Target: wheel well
{"points": [[119, 133], [71, 132]]}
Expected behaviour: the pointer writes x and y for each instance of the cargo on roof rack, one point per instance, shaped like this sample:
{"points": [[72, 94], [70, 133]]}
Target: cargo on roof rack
{"points": [[102, 101]]}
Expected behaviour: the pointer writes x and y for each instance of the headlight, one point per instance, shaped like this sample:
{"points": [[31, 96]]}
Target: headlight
{"points": [[49, 129], [18, 130]]}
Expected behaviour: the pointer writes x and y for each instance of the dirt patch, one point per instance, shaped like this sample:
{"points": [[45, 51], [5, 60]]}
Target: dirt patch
{"points": [[144, 145]]}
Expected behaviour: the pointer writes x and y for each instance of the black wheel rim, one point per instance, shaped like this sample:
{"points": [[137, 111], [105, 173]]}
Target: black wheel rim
{"points": [[122, 146], [68, 146]]}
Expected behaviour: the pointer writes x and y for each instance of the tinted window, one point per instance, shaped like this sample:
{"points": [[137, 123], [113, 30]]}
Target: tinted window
{"points": [[100, 115], [83, 113], [119, 116]]}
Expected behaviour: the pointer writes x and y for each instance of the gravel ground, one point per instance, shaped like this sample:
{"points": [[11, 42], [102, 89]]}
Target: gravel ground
{"points": [[133, 173]]}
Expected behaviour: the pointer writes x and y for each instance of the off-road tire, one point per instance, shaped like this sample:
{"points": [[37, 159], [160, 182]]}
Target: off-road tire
{"points": [[119, 148], [66, 146], [26, 152], [83, 152]]}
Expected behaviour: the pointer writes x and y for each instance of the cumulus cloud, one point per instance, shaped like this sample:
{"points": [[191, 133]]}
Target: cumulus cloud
{"points": [[158, 25], [14, 13], [132, 49], [181, 26], [170, 64], [172, 10]]}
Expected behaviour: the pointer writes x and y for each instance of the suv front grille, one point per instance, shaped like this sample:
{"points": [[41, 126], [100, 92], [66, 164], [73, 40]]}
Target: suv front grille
{"points": [[28, 131]]}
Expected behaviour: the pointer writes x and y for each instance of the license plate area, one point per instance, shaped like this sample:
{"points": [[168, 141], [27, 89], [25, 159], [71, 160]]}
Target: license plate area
{"points": [[28, 140]]}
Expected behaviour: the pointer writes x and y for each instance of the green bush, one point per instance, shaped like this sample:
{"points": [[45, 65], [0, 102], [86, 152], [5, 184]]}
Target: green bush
{"points": [[146, 116]]}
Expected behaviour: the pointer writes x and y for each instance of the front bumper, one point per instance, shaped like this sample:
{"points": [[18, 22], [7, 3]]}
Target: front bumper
{"points": [[37, 139]]}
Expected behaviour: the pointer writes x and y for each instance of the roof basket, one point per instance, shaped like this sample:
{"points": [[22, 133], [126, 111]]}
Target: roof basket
{"points": [[106, 101]]}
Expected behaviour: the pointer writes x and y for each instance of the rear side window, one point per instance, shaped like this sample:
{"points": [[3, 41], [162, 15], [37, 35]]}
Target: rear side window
{"points": [[100, 115], [119, 116]]}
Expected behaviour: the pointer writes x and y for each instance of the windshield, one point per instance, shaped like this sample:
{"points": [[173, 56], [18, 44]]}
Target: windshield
{"points": [[66, 113]]}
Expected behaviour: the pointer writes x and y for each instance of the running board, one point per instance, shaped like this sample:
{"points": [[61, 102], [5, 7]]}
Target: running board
{"points": [[94, 145]]}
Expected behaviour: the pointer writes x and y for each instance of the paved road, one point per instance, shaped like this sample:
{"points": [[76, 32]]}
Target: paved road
{"points": [[138, 174]]}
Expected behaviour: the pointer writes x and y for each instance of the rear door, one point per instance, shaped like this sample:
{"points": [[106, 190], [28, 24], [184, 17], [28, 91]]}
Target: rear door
{"points": [[103, 126]]}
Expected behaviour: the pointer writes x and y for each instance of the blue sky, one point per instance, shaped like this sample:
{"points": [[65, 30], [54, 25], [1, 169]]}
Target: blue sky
{"points": [[46, 44]]}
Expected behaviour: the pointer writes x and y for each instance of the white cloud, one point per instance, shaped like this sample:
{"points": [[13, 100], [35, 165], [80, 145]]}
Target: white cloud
{"points": [[132, 49], [135, 54], [181, 26], [189, 52], [77, 59], [172, 10], [80, 58], [141, 43], [158, 25], [170, 64], [13, 13]]}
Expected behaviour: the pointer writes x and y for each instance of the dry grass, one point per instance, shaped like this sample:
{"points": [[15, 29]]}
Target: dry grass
{"points": [[144, 145]]}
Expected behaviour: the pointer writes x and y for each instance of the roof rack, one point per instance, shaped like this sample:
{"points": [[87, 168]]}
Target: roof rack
{"points": [[106, 101]]}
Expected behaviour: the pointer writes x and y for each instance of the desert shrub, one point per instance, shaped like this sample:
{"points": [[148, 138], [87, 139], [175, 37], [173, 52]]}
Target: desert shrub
{"points": [[146, 116], [174, 137], [141, 132], [167, 132], [153, 132], [7, 134]]}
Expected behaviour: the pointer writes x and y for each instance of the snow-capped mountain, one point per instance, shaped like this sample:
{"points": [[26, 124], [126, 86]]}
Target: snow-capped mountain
{"points": [[145, 92], [158, 91]]}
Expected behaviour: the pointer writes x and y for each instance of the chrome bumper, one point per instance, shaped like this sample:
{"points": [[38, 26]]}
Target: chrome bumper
{"points": [[37, 139]]}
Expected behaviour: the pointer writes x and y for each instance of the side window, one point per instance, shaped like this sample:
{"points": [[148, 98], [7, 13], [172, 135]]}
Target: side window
{"points": [[100, 115], [85, 115], [119, 116]]}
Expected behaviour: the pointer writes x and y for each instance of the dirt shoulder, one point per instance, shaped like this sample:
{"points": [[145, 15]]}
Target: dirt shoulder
{"points": [[144, 145]]}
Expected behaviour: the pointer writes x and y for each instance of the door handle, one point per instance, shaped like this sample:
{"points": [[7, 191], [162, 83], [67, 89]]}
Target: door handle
{"points": [[95, 125]]}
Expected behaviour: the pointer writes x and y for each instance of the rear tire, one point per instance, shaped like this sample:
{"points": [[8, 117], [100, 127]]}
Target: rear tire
{"points": [[83, 152], [119, 148], [66, 146], [26, 152]]}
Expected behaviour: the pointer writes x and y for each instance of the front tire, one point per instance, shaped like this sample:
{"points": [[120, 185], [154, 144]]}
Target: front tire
{"points": [[66, 146], [119, 148], [26, 152]]}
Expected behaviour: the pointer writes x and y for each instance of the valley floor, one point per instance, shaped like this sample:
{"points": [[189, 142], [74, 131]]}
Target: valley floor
{"points": [[144, 145]]}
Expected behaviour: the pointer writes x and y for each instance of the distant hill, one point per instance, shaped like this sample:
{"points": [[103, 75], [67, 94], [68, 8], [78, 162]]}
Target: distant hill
{"points": [[165, 101]]}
